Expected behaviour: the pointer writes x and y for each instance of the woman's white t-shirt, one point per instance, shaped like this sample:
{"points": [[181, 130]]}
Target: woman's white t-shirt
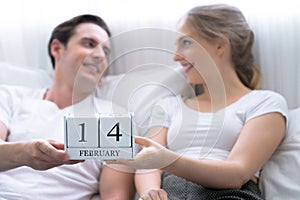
{"points": [[211, 136]]}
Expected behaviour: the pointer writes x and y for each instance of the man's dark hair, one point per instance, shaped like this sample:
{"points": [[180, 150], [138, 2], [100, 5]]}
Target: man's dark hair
{"points": [[65, 30]]}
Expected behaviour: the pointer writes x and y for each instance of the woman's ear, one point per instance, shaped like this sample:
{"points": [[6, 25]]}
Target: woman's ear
{"points": [[222, 46]]}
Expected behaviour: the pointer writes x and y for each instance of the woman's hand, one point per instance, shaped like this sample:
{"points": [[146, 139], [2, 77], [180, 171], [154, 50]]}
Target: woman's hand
{"points": [[157, 194], [152, 156]]}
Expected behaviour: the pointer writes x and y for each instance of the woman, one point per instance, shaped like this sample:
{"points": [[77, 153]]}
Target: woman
{"points": [[213, 145]]}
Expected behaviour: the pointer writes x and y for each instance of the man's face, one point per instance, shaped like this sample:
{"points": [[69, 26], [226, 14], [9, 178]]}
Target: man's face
{"points": [[84, 59]]}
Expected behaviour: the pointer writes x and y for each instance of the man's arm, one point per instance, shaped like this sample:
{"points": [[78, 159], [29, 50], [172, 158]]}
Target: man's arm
{"points": [[3, 132], [40, 154]]}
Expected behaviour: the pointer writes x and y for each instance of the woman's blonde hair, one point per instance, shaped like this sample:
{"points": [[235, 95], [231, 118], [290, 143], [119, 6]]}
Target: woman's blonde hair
{"points": [[219, 21]]}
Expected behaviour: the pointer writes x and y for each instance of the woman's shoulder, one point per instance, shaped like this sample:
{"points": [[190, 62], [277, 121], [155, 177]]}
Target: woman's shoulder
{"points": [[258, 102], [264, 92], [266, 96]]}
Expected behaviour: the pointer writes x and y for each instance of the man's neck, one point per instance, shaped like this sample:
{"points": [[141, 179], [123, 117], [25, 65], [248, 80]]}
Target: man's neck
{"points": [[64, 96]]}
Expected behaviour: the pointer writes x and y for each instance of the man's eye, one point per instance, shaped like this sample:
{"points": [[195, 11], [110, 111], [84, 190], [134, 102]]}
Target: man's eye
{"points": [[106, 51], [89, 44]]}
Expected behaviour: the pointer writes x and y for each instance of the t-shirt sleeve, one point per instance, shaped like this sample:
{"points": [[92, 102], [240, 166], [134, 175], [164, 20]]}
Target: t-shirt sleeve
{"points": [[5, 105], [161, 112], [159, 115], [268, 103]]}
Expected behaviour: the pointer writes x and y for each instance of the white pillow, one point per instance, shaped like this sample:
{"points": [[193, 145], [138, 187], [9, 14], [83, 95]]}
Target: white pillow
{"points": [[280, 177], [19, 75], [138, 89]]}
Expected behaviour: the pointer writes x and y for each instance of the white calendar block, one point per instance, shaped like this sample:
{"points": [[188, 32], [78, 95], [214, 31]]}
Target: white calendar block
{"points": [[105, 136], [82, 131], [115, 130]]}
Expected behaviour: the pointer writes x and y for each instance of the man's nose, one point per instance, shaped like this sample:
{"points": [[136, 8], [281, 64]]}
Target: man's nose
{"points": [[99, 52]]}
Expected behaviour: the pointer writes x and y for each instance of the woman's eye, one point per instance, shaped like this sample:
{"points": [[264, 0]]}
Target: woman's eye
{"points": [[186, 42]]}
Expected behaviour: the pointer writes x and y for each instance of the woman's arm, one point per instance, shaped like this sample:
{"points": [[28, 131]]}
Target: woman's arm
{"points": [[257, 141], [116, 182], [148, 182]]}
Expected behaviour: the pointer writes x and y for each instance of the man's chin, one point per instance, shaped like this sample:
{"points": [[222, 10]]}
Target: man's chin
{"points": [[86, 84]]}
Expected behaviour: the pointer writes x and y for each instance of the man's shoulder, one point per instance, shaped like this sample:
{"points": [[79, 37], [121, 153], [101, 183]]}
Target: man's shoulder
{"points": [[20, 91], [108, 106]]}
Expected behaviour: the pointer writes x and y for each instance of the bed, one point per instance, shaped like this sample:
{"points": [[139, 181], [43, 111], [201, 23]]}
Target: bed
{"points": [[279, 177]]}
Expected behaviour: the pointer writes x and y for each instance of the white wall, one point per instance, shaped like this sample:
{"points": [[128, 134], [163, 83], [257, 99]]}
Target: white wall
{"points": [[143, 33]]}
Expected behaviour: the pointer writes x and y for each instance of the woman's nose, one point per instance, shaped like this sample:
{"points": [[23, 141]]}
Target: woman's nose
{"points": [[177, 57]]}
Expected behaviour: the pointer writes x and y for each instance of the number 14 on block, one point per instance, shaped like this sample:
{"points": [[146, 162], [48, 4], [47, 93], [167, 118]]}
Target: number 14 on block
{"points": [[106, 137]]}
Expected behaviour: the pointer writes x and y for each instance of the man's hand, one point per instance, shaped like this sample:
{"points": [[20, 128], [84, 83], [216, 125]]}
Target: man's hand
{"points": [[43, 155]]}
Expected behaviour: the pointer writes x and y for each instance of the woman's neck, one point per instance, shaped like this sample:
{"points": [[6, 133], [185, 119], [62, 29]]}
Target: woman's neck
{"points": [[215, 98]]}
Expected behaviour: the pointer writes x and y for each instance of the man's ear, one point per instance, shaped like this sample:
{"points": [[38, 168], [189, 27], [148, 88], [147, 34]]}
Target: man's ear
{"points": [[56, 48]]}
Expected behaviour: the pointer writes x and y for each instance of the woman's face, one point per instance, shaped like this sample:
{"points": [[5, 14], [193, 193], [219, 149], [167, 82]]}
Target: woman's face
{"points": [[195, 54]]}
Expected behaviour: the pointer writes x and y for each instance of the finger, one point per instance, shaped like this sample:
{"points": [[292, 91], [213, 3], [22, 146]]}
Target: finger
{"points": [[44, 164], [121, 161], [60, 146], [113, 162], [143, 141], [145, 197], [163, 194], [154, 195], [50, 151], [56, 144], [158, 194], [71, 162]]}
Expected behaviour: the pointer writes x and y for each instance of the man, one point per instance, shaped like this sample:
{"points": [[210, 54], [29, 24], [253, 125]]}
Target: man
{"points": [[33, 164]]}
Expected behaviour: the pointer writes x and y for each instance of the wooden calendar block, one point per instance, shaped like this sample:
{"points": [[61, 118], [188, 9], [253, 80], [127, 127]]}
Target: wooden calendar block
{"points": [[105, 137]]}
